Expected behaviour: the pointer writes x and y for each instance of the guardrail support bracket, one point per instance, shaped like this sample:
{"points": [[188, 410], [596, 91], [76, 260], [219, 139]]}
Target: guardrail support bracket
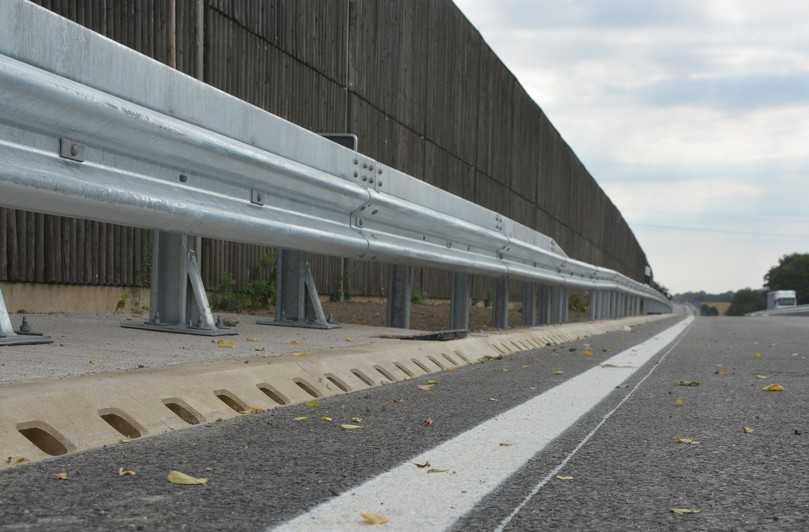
{"points": [[460, 301], [179, 303], [22, 336], [297, 302], [400, 292]]}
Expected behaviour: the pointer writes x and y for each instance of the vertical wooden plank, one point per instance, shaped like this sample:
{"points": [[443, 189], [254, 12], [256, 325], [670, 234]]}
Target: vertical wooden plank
{"points": [[22, 249], [30, 245], [3, 244]]}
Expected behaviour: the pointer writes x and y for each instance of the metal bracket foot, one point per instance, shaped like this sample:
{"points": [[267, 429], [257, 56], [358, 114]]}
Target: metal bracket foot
{"points": [[22, 336]]}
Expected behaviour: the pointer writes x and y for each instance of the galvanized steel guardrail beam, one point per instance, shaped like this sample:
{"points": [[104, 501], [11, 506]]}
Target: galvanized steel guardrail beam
{"points": [[92, 129]]}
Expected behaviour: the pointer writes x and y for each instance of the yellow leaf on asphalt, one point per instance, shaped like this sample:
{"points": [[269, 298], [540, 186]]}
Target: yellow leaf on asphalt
{"points": [[124, 472], [373, 519], [747, 430], [326, 418], [312, 403], [225, 344], [689, 441], [587, 352], [758, 354], [60, 476], [760, 376], [564, 477], [558, 372], [679, 402], [685, 511], [178, 477], [773, 388], [356, 420], [300, 418], [425, 387], [349, 426]]}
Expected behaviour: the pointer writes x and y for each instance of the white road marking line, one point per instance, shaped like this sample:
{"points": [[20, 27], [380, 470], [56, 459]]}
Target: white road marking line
{"points": [[555, 471], [413, 499]]}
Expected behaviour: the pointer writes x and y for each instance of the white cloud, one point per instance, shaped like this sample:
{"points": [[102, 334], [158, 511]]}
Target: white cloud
{"points": [[688, 113]]}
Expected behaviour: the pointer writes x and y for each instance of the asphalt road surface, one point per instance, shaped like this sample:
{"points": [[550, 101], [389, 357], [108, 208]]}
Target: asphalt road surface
{"points": [[490, 433]]}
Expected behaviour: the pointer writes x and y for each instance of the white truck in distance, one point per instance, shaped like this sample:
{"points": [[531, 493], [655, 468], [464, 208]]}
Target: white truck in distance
{"points": [[778, 299]]}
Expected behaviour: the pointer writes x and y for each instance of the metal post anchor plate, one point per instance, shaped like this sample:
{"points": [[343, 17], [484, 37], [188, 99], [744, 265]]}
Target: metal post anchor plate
{"points": [[297, 301], [23, 336], [179, 303]]}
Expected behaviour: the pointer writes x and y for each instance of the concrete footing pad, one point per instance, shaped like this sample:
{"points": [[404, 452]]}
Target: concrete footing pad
{"points": [[51, 417]]}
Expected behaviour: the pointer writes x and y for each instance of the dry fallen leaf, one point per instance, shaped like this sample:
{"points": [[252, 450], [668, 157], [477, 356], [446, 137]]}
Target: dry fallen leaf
{"points": [[760, 376], [299, 353], [124, 472], [773, 388], [252, 410], [679, 402], [425, 387], [689, 441], [251, 339], [15, 460], [437, 470], [432, 381], [373, 519], [688, 383], [348, 338], [326, 418], [747, 430], [225, 344], [312, 403], [61, 476], [558, 372], [722, 372], [587, 352], [564, 477], [421, 466], [295, 342], [348, 426], [685, 511], [758, 354], [300, 418], [356, 420], [178, 477]]}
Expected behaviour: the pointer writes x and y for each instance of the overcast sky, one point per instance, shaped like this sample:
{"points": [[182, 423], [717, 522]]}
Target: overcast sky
{"points": [[692, 115]]}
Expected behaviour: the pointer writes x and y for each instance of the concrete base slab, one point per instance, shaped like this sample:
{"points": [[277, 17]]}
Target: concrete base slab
{"points": [[47, 417], [301, 324], [145, 326]]}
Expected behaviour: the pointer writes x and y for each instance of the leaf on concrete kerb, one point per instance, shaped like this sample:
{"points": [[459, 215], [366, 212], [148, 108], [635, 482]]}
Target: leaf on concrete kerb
{"points": [[685, 511], [688, 383], [688, 441], [125, 472], [225, 344], [299, 353], [373, 519], [312, 403], [437, 470], [178, 477], [16, 460], [421, 466], [773, 388], [252, 410]]}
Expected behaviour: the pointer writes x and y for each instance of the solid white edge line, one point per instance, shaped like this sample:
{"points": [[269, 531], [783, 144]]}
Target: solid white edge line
{"points": [[555, 471], [473, 463]]}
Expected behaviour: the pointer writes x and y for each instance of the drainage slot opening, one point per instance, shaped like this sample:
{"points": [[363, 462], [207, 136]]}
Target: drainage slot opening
{"points": [[338, 382], [462, 356], [231, 400], [449, 359], [363, 377], [421, 365], [273, 394], [385, 373], [118, 420], [306, 387], [403, 369], [44, 437], [436, 362], [183, 411]]}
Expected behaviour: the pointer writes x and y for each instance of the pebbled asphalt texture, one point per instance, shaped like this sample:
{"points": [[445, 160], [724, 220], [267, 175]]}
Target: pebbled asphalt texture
{"points": [[266, 468]]}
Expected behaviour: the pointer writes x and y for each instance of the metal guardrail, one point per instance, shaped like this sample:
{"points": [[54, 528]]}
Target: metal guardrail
{"points": [[92, 129], [801, 310]]}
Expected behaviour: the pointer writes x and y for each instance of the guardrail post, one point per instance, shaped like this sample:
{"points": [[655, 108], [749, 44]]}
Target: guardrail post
{"points": [[297, 302], [460, 301], [179, 302], [565, 305], [22, 336], [529, 304], [400, 292], [500, 308], [544, 305], [593, 310]]}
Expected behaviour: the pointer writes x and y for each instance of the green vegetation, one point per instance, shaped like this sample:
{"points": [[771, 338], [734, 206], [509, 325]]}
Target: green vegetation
{"points": [[791, 273], [256, 294], [418, 297], [747, 300], [577, 303]]}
